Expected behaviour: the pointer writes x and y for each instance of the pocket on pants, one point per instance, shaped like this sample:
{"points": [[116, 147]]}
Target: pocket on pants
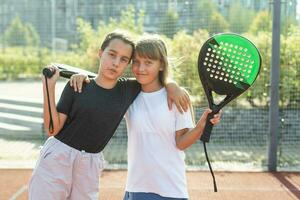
{"points": [[51, 141]]}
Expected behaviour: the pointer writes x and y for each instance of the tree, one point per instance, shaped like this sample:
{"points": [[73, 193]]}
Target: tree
{"points": [[185, 48], [290, 69], [218, 24], [19, 34], [262, 22], [169, 23], [202, 13], [239, 17], [206, 16], [32, 38], [15, 34], [90, 38]]}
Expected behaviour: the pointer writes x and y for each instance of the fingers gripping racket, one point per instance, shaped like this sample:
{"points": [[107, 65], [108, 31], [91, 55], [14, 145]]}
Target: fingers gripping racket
{"points": [[228, 64], [66, 71]]}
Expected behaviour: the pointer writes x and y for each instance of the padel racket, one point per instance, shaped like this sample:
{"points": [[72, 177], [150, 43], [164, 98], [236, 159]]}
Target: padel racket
{"points": [[228, 64]]}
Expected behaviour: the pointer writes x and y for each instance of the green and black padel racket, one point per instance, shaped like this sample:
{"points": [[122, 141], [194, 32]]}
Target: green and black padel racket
{"points": [[228, 64]]}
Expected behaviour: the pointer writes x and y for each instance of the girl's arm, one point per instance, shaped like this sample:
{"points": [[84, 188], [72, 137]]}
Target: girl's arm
{"points": [[58, 118], [186, 137]]}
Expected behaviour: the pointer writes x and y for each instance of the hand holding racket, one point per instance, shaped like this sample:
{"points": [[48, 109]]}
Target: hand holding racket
{"points": [[228, 64], [51, 74]]}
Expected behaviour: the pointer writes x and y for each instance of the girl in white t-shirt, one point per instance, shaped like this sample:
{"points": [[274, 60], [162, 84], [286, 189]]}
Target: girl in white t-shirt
{"points": [[157, 136]]}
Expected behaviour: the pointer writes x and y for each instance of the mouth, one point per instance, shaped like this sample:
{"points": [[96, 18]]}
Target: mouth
{"points": [[142, 74], [112, 70]]}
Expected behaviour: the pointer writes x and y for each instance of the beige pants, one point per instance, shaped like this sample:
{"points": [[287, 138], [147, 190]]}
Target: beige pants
{"points": [[63, 172]]}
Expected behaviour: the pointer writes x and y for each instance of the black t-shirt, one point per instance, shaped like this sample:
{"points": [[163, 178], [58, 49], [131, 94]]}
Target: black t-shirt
{"points": [[95, 113]]}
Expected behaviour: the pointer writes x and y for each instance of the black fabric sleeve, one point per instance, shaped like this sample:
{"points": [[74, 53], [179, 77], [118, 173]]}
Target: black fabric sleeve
{"points": [[65, 102], [134, 88]]}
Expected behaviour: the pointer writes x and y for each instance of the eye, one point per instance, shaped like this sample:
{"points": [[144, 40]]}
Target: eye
{"points": [[135, 62], [111, 54], [124, 60], [148, 62]]}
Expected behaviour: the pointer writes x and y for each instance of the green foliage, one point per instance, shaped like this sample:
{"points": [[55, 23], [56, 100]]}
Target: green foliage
{"points": [[86, 35], [16, 61], [218, 24], [290, 69], [262, 22], [206, 16], [169, 23], [19, 34], [257, 95], [186, 47], [202, 14], [91, 39], [32, 38], [239, 18]]}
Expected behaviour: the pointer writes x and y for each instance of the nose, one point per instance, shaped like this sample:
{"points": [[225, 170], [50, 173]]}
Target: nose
{"points": [[116, 62], [142, 68]]}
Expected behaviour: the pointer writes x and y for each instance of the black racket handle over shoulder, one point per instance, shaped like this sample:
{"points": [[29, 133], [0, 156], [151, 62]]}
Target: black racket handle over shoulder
{"points": [[63, 73]]}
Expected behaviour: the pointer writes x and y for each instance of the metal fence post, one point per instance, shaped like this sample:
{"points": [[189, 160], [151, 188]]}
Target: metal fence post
{"points": [[274, 89]]}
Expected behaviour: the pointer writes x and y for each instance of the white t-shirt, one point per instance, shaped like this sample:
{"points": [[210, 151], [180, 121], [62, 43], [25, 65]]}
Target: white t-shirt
{"points": [[155, 164]]}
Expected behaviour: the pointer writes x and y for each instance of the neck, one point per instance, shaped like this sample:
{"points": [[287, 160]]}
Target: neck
{"points": [[105, 83], [151, 87]]}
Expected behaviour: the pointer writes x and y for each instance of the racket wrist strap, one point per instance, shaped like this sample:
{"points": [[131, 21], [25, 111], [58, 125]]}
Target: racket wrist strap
{"points": [[210, 168], [49, 107]]}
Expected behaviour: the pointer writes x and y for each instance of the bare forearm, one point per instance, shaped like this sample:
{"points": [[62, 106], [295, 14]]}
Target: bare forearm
{"points": [[54, 113], [188, 138]]}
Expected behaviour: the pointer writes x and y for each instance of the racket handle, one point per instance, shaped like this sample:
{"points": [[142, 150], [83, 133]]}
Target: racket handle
{"points": [[48, 73], [208, 128], [63, 73]]}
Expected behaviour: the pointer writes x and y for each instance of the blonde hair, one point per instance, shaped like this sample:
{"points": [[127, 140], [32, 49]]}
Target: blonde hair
{"points": [[154, 48]]}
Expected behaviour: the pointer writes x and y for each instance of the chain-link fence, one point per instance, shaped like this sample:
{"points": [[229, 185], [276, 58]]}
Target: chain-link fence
{"points": [[34, 33]]}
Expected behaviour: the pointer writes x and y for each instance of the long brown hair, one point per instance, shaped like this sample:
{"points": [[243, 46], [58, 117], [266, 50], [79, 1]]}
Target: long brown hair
{"points": [[154, 48]]}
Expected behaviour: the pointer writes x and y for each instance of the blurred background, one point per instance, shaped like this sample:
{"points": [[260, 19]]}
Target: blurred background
{"points": [[34, 33]]}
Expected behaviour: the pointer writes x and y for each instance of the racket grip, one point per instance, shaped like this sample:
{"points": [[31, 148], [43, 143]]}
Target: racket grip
{"points": [[48, 73], [208, 128], [63, 73]]}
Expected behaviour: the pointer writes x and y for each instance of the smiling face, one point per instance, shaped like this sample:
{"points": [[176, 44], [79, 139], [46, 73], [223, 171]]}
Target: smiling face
{"points": [[146, 70], [114, 59], [150, 63]]}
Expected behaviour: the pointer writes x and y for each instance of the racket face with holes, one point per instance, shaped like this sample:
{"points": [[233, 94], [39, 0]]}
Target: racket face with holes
{"points": [[228, 64]]}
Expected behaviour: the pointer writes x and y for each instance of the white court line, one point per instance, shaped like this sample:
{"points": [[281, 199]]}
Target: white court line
{"points": [[12, 127], [18, 193], [23, 108], [220, 188], [38, 100], [21, 117]]}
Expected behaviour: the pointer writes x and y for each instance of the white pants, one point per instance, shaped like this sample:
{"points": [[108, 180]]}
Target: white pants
{"points": [[63, 172]]}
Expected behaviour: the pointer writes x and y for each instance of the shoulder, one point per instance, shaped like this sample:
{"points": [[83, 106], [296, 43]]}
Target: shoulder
{"points": [[68, 87], [124, 80], [129, 82]]}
